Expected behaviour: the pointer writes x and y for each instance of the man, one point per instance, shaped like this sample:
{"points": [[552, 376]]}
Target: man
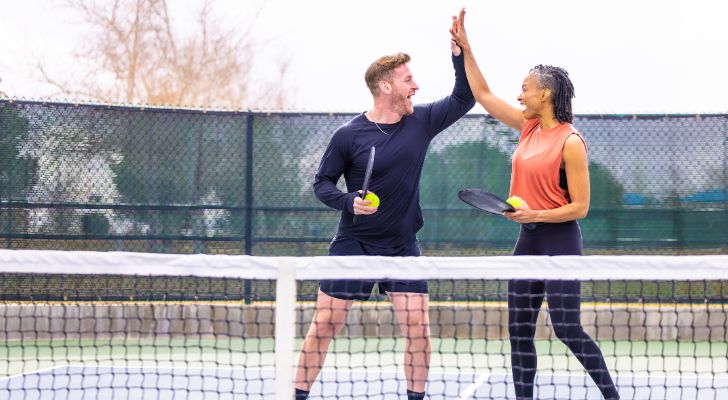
{"points": [[401, 134]]}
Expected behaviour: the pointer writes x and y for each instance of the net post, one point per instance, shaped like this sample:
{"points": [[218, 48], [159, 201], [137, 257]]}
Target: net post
{"points": [[285, 329]]}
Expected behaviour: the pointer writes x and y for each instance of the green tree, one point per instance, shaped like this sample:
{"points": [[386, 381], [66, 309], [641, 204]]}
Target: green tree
{"points": [[469, 164], [164, 159], [282, 177], [606, 191], [463, 165], [17, 169], [603, 224]]}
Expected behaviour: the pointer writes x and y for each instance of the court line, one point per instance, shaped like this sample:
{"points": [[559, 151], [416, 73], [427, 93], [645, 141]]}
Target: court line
{"points": [[470, 390], [34, 372]]}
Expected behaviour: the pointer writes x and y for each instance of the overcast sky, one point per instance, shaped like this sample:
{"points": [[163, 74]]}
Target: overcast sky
{"points": [[624, 56]]}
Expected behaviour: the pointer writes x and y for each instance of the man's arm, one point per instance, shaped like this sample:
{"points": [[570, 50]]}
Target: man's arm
{"points": [[332, 166], [446, 111]]}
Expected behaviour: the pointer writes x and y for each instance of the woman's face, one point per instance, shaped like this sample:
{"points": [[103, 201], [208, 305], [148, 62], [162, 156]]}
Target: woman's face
{"points": [[532, 98]]}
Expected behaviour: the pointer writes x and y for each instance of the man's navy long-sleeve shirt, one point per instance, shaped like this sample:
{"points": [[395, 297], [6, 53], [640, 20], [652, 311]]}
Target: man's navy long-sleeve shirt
{"points": [[400, 155]]}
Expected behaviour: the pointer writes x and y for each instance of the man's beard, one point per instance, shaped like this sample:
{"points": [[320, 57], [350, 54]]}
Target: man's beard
{"points": [[403, 106]]}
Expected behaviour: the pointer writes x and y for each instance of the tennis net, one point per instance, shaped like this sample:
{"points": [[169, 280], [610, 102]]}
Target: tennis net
{"points": [[115, 325]]}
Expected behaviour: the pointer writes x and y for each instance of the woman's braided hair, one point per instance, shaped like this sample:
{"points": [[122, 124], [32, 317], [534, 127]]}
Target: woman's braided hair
{"points": [[562, 90]]}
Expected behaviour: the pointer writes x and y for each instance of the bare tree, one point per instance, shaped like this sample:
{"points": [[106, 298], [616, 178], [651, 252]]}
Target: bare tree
{"points": [[136, 56], [2, 94]]}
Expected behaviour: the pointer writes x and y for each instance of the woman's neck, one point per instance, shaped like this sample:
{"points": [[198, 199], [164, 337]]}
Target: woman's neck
{"points": [[548, 122]]}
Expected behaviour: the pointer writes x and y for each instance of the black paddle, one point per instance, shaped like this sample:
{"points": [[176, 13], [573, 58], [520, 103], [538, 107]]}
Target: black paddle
{"points": [[367, 176], [487, 201]]}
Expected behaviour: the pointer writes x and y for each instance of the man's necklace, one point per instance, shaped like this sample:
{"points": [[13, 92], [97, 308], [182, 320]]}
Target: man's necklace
{"points": [[380, 129]]}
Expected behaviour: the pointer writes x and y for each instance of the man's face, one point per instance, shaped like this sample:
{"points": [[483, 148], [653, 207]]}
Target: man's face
{"points": [[403, 88]]}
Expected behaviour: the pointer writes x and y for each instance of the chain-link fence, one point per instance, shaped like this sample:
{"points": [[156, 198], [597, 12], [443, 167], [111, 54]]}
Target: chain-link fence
{"points": [[101, 177]]}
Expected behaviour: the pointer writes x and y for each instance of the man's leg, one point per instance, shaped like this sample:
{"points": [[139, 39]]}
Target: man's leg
{"points": [[328, 319], [412, 313]]}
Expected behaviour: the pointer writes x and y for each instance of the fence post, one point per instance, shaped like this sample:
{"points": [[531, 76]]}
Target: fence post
{"points": [[248, 197], [9, 241]]}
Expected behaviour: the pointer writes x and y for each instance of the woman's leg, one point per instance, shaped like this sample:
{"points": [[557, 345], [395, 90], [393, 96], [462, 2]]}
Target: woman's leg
{"points": [[524, 302], [564, 301]]}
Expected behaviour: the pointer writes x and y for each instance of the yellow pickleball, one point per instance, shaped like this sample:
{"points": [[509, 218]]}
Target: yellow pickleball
{"points": [[373, 198], [515, 201]]}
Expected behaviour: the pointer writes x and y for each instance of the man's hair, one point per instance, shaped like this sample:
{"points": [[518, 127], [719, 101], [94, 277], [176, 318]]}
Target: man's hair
{"points": [[562, 90], [381, 70]]}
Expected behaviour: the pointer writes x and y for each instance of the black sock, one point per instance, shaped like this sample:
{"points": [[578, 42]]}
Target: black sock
{"points": [[301, 394], [415, 395]]}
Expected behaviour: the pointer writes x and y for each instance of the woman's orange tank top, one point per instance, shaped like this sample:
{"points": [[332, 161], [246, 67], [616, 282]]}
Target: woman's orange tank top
{"points": [[536, 163]]}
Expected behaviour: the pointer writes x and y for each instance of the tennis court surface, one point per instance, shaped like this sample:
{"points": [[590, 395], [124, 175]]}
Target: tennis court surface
{"points": [[74, 382]]}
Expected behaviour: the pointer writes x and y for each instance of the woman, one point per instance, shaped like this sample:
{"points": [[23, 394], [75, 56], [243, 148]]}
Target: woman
{"points": [[550, 173]]}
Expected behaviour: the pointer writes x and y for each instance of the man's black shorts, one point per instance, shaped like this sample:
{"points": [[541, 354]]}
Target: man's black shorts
{"points": [[362, 289]]}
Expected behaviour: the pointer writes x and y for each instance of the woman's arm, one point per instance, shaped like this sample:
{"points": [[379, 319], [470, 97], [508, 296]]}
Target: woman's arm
{"points": [[499, 109], [577, 171]]}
